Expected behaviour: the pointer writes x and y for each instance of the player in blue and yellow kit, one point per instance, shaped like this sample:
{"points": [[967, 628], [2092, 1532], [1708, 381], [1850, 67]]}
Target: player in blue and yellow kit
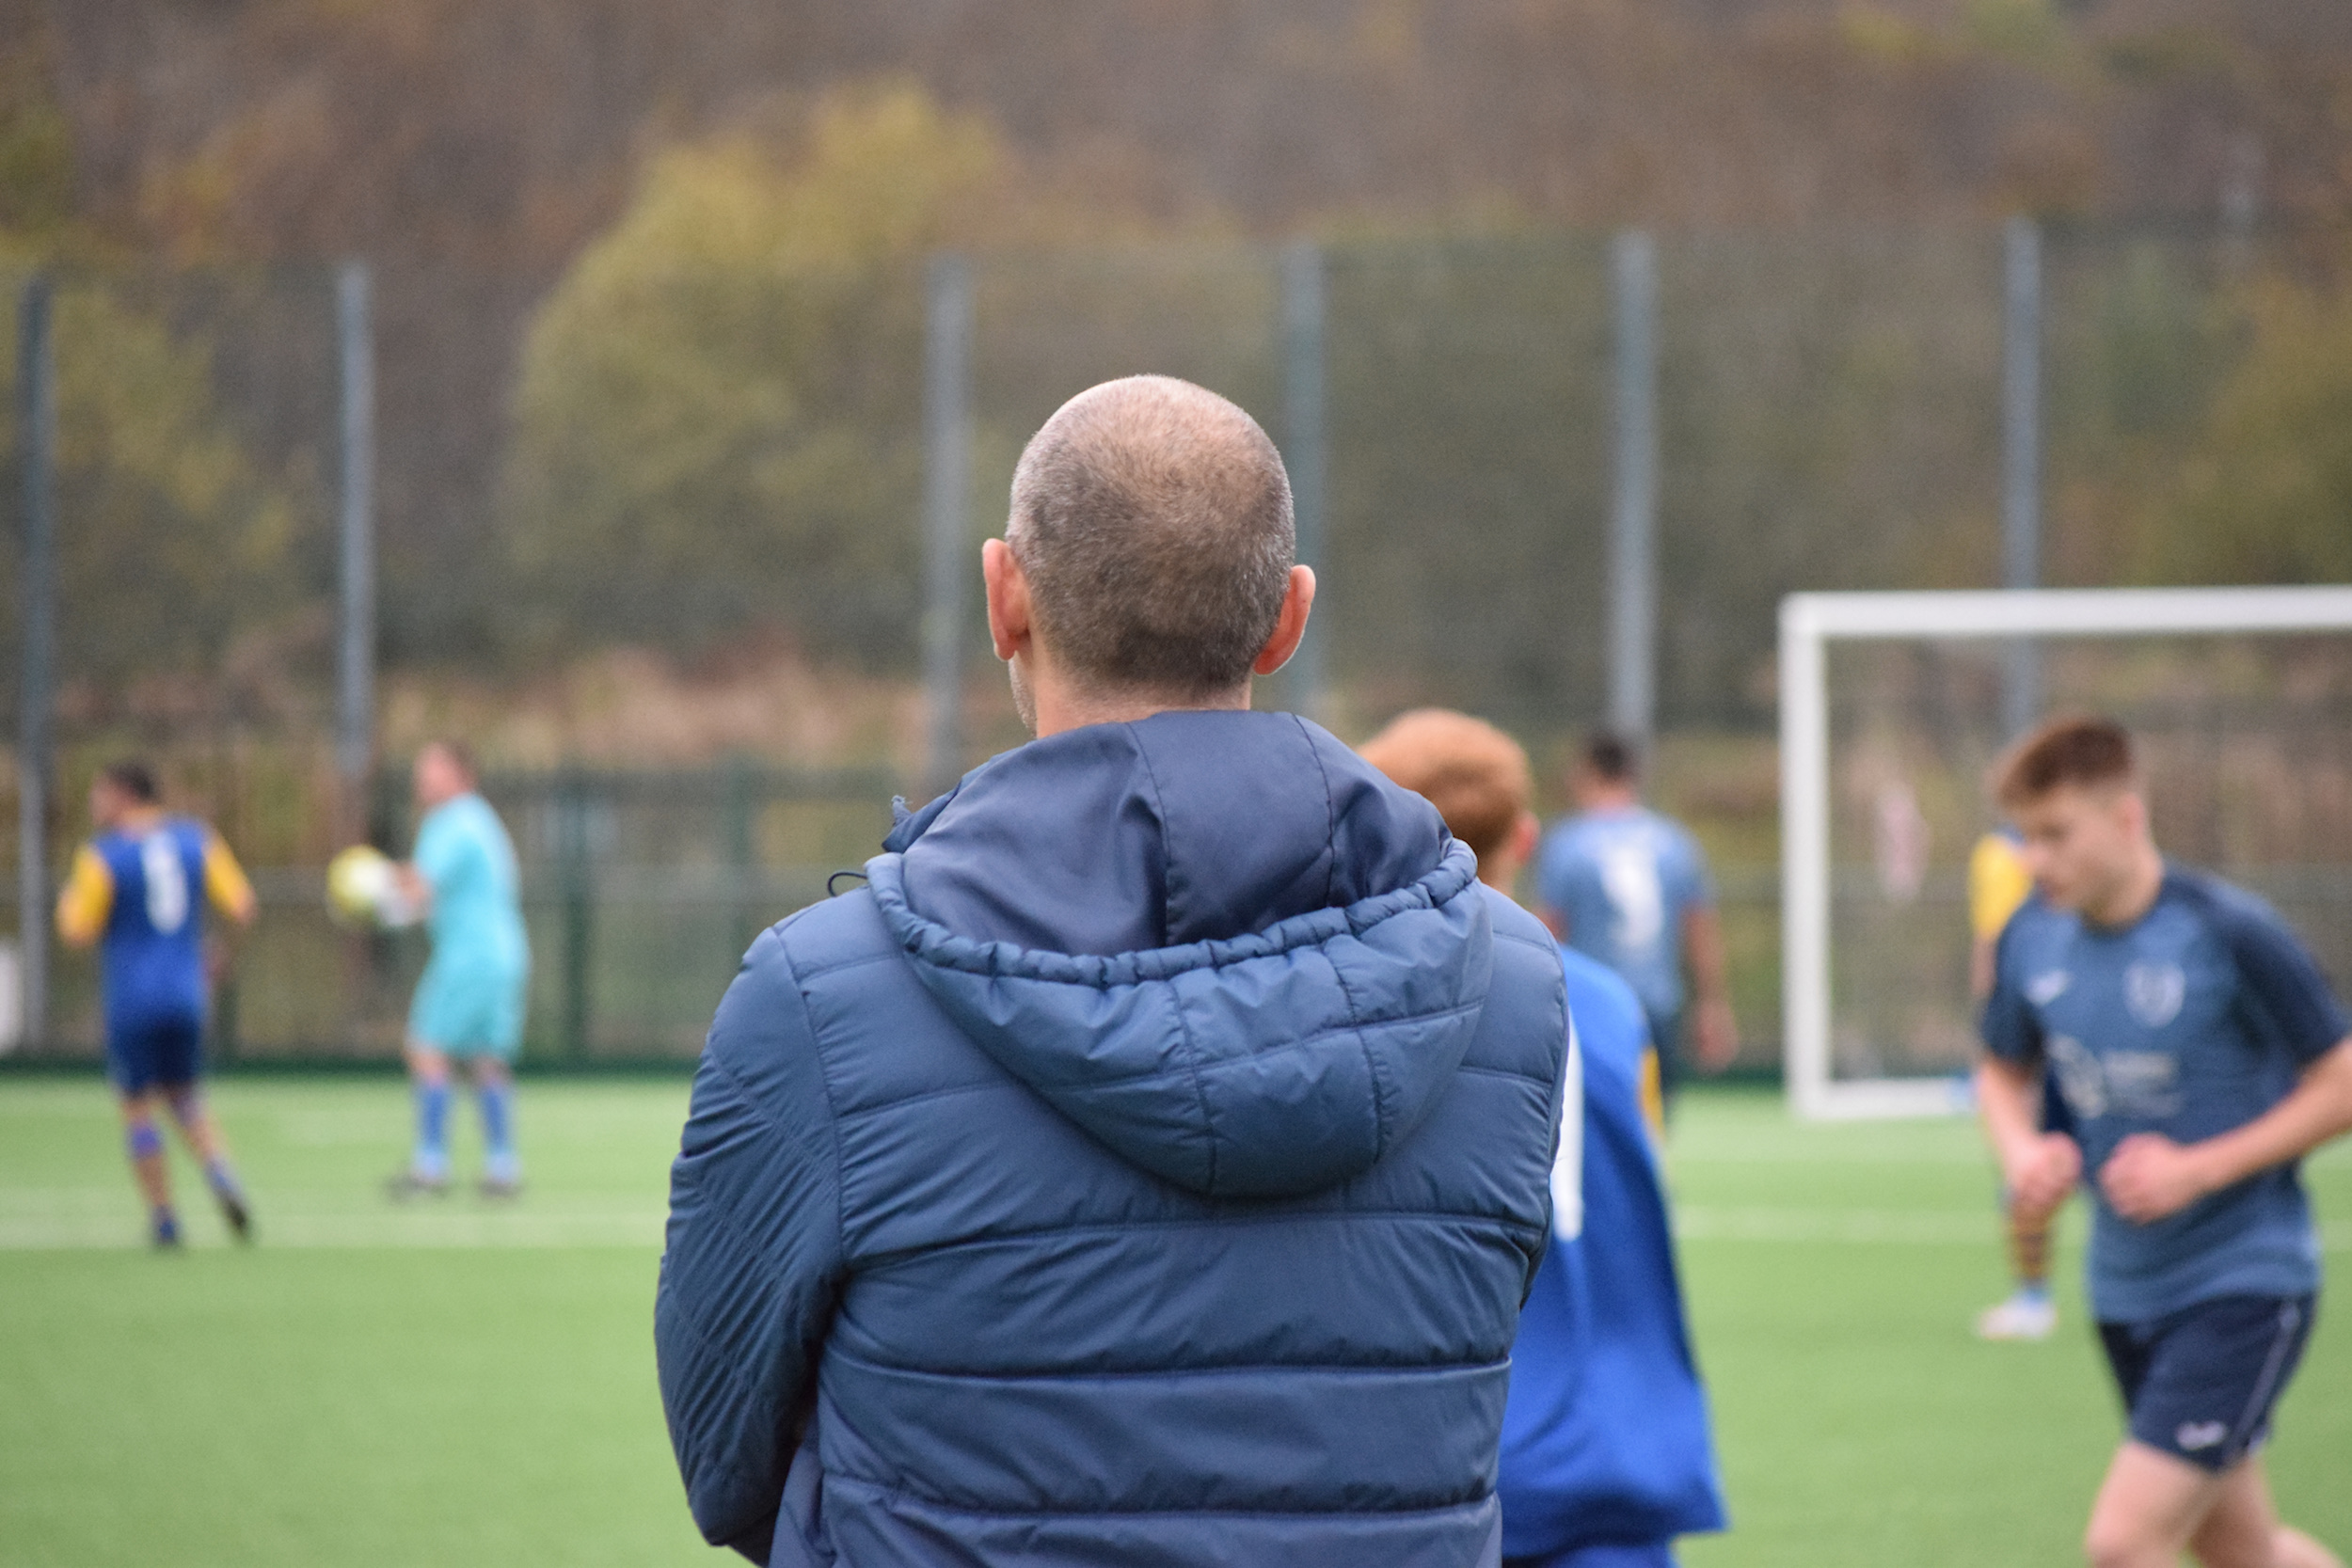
{"points": [[139, 890], [1998, 886], [1607, 1455], [2202, 1057], [469, 1004]]}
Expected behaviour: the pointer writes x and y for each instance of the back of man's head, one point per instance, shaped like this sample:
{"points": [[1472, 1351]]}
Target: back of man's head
{"points": [[1151, 519], [134, 780], [1475, 775], [1609, 757]]}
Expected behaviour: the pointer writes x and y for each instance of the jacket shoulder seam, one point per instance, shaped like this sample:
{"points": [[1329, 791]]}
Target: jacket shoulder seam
{"points": [[824, 1080]]}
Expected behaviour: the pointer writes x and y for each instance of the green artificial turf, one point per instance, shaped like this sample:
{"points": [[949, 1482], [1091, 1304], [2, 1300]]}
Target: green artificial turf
{"points": [[453, 1383]]}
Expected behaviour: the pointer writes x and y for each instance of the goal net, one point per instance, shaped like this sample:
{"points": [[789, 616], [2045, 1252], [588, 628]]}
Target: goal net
{"points": [[1893, 708]]}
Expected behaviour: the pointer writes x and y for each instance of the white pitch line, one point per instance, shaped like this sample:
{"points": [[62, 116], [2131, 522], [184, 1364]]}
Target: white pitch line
{"points": [[1875, 1227], [82, 1219]]}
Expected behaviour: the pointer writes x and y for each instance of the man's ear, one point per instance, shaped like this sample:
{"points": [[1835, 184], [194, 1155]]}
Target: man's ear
{"points": [[2131, 807], [1290, 624], [1526, 833], [1008, 627]]}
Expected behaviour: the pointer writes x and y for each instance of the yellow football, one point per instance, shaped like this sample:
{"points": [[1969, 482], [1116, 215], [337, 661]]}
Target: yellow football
{"points": [[360, 886]]}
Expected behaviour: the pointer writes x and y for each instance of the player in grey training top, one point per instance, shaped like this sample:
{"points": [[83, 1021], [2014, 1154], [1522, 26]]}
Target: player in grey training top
{"points": [[2202, 1057]]}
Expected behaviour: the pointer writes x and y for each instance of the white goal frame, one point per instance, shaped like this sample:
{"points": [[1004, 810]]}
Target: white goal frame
{"points": [[1808, 622]]}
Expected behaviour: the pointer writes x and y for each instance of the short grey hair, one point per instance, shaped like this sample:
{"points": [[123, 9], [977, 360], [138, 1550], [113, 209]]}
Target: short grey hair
{"points": [[1152, 520]]}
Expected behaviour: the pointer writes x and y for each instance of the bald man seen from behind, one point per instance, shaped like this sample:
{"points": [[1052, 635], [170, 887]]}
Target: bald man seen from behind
{"points": [[1147, 1164]]}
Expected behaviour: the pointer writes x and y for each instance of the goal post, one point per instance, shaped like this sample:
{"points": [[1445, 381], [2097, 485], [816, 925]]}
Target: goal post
{"points": [[1810, 625]]}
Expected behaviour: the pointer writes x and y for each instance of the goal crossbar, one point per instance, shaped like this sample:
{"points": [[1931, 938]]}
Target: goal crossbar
{"points": [[1808, 622]]}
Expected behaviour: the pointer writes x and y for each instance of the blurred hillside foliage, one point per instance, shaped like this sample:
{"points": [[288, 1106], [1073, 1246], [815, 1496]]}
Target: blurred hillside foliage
{"points": [[729, 376], [648, 302], [178, 540]]}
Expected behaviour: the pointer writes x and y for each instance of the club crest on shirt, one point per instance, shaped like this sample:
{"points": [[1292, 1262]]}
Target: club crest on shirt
{"points": [[2154, 992], [2047, 987]]}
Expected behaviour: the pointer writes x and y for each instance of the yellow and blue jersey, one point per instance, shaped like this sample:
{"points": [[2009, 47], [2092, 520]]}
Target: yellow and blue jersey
{"points": [[141, 896], [1998, 883]]}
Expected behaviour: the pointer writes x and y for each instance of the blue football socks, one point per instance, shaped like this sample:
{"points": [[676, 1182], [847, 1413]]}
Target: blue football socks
{"points": [[164, 1225], [429, 1161], [2037, 1291], [498, 1133]]}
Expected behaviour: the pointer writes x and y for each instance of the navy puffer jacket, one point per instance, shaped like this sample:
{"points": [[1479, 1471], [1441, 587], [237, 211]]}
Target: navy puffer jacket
{"points": [[1146, 1168]]}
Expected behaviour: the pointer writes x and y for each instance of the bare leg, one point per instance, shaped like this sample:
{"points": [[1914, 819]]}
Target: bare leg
{"points": [[2297, 1550], [2029, 1244], [203, 1135], [2243, 1527], [494, 1093], [144, 1143], [427, 1170], [2148, 1509], [2026, 1313], [197, 1125]]}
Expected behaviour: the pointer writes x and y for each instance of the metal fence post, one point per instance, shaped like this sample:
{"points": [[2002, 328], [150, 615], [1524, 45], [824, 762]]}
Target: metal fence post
{"points": [[741, 855], [1633, 526], [571, 848], [946, 476], [355, 729], [37, 424], [1306, 444], [2021, 458]]}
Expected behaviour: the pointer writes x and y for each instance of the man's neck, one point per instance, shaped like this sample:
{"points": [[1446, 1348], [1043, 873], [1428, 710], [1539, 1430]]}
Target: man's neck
{"points": [[2132, 896], [1060, 709], [1610, 797]]}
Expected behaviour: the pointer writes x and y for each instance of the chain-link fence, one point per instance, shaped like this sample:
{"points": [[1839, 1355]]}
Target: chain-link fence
{"points": [[706, 462]]}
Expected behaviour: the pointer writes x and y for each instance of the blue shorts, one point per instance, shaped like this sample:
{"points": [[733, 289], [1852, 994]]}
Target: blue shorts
{"points": [[470, 1009], [159, 1053], [2200, 1383]]}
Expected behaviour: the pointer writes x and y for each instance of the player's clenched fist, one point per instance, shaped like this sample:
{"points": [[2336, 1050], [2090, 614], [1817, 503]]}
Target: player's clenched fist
{"points": [[2149, 1176], [2044, 1171]]}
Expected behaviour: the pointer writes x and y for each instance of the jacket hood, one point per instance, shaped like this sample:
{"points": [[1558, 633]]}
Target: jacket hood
{"points": [[1220, 943]]}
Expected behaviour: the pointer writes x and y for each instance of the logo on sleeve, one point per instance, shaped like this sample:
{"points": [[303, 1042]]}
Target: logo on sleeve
{"points": [[2195, 1435], [2047, 987], [2154, 992]]}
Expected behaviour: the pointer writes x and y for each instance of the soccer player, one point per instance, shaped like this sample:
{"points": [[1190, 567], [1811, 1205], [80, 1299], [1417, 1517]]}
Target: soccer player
{"points": [[1606, 1451], [469, 1004], [1998, 886], [2202, 1057], [1629, 887], [139, 890]]}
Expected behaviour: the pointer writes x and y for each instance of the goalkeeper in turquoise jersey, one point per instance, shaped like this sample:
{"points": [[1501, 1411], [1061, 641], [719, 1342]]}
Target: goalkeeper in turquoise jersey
{"points": [[469, 1004], [138, 892]]}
